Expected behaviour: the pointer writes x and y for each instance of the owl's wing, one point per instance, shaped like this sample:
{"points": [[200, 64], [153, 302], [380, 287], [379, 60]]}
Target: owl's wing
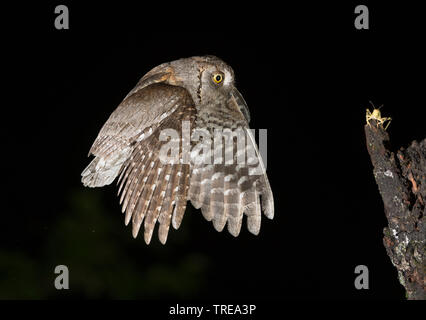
{"points": [[150, 189], [225, 192], [139, 112]]}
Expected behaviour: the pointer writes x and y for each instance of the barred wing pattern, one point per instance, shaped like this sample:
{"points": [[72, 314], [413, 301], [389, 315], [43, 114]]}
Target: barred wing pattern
{"points": [[225, 192], [149, 189], [139, 112]]}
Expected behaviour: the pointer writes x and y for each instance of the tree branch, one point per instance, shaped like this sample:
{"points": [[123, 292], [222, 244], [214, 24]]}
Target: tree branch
{"points": [[402, 185]]}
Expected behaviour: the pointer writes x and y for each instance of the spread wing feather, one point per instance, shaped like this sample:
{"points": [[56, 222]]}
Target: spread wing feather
{"points": [[149, 190], [225, 192], [153, 188], [135, 118]]}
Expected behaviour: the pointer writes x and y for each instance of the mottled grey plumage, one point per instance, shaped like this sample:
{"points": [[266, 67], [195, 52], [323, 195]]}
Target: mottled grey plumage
{"points": [[128, 146]]}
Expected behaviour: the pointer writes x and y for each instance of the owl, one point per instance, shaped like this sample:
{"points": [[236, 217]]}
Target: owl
{"points": [[216, 163]]}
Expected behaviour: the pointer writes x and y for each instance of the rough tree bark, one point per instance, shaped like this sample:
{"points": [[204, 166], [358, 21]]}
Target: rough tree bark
{"points": [[402, 184]]}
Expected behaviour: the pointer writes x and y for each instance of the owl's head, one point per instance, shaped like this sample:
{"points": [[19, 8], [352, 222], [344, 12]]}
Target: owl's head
{"points": [[207, 78], [215, 78]]}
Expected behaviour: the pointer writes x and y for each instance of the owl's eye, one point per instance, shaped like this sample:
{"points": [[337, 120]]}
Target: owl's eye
{"points": [[217, 78]]}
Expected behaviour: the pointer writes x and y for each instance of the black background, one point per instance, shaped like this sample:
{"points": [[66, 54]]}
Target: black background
{"points": [[307, 75]]}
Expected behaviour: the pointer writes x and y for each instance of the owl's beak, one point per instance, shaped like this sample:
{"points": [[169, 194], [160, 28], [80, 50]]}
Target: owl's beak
{"points": [[241, 104]]}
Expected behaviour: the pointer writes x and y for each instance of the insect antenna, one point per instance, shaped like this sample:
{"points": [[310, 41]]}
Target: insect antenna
{"points": [[374, 106]]}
